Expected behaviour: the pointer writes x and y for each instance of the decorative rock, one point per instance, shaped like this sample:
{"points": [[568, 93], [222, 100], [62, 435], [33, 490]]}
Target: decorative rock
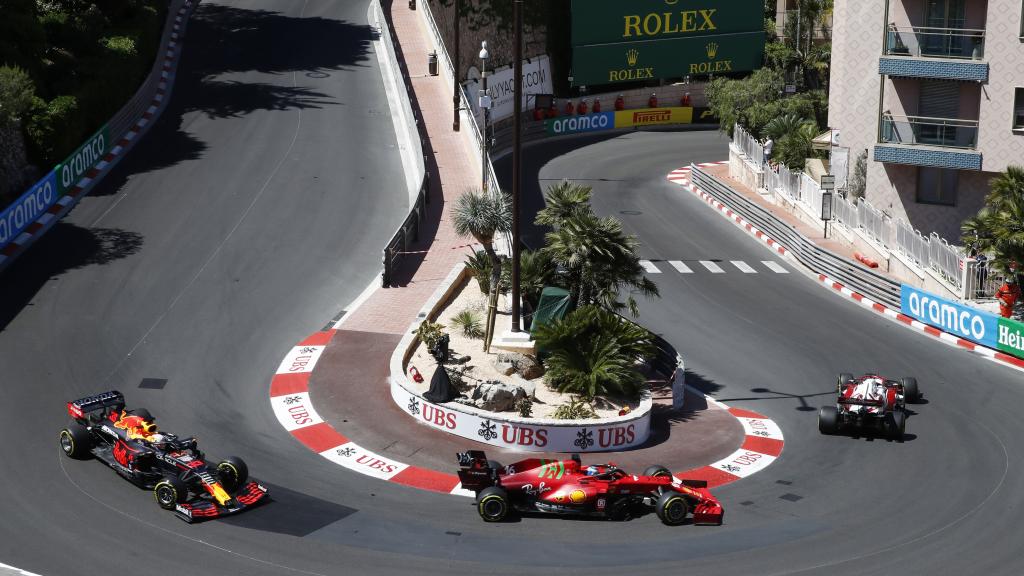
{"points": [[463, 359], [529, 387], [497, 396], [525, 366]]}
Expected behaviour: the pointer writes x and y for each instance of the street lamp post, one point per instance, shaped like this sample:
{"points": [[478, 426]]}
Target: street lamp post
{"points": [[485, 107], [456, 89], [516, 156]]}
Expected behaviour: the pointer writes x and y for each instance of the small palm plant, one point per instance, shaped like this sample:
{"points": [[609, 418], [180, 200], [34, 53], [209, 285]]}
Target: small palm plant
{"points": [[594, 352], [483, 215], [469, 323]]}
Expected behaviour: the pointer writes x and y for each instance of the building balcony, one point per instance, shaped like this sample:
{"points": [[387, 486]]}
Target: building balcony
{"points": [[944, 53], [938, 142]]}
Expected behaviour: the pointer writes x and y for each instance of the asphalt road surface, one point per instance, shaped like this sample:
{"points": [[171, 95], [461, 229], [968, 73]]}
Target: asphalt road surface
{"points": [[249, 215]]}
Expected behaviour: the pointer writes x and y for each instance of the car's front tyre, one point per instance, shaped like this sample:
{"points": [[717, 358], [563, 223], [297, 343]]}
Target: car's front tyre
{"points": [[76, 442], [672, 508], [169, 492], [233, 473]]}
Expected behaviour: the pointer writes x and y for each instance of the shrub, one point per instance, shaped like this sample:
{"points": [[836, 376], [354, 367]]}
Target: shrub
{"points": [[16, 94], [429, 332], [469, 322], [525, 407], [479, 265], [594, 352], [575, 409], [53, 128]]}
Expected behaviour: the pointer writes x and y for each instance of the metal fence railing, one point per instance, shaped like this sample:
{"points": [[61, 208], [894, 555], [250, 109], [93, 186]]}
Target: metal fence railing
{"points": [[748, 145], [918, 41]]}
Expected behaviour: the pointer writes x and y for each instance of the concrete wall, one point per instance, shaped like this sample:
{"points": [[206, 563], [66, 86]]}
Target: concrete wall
{"points": [[1004, 51]]}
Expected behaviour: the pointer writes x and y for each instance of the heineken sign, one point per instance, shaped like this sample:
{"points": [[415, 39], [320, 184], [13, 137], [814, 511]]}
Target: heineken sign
{"points": [[619, 41], [653, 59]]}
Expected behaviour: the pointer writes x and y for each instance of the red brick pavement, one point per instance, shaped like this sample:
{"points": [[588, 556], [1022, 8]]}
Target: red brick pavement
{"points": [[455, 168]]}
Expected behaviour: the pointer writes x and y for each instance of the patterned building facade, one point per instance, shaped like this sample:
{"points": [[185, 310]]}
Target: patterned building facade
{"points": [[933, 92]]}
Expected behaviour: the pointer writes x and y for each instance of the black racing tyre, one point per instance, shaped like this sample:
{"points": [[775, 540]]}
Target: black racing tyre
{"points": [[143, 413], [233, 473], [76, 441], [169, 492], [911, 393], [828, 420], [658, 471], [898, 425], [844, 377], [492, 504], [672, 508]]}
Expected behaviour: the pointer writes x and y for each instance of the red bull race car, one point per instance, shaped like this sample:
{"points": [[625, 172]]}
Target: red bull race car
{"points": [[173, 468], [567, 487], [870, 402]]}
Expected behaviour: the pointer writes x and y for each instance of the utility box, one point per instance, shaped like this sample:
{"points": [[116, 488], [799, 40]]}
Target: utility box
{"points": [[432, 63]]}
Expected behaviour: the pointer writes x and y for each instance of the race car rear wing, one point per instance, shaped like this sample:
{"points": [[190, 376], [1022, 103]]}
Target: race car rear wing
{"points": [[475, 473], [77, 409]]}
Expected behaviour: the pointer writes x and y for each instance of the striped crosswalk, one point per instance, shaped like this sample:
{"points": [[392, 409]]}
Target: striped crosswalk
{"points": [[713, 266]]}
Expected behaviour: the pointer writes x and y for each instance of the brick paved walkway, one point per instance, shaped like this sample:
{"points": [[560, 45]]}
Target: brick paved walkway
{"points": [[454, 164]]}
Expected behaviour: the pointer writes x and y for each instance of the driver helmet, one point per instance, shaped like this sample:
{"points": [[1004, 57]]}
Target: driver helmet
{"points": [[592, 470]]}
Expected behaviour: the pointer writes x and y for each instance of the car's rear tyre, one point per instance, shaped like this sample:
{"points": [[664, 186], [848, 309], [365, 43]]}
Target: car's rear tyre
{"points": [[658, 471], [897, 425], [911, 393], [828, 420], [76, 442], [169, 492], [492, 504], [844, 377], [233, 473], [142, 413], [672, 508]]}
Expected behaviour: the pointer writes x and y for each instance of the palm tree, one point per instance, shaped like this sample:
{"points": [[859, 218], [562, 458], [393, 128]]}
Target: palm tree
{"points": [[998, 228], [482, 215], [593, 351], [601, 261], [783, 125], [536, 270], [563, 201]]}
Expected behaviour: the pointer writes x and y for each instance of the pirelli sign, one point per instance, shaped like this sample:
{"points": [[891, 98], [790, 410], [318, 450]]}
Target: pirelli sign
{"points": [[624, 41]]}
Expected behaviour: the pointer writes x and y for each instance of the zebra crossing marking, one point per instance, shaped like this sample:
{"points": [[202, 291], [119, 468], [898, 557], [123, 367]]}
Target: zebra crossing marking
{"points": [[649, 267], [714, 268], [743, 266], [682, 268], [775, 267]]}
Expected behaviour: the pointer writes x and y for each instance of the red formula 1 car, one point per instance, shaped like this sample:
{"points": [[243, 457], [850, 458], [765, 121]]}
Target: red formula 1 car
{"points": [[173, 468], [567, 487], [870, 402]]}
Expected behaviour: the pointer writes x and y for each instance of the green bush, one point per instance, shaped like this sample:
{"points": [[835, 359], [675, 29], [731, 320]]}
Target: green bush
{"points": [[53, 130], [429, 332], [17, 93], [594, 352], [469, 323], [525, 407], [575, 409]]}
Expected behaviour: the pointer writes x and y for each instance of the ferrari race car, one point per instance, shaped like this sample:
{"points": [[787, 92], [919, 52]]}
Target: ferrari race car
{"points": [[567, 487], [173, 468], [870, 402]]}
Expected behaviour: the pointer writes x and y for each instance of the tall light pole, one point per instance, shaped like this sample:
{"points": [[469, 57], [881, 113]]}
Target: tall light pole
{"points": [[485, 107], [455, 70], [517, 112]]}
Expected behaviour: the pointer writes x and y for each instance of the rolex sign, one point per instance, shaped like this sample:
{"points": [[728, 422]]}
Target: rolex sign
{"points": [[625, 41]]}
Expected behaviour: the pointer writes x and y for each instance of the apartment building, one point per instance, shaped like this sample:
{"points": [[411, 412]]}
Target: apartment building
{"points": [[933, 92]]}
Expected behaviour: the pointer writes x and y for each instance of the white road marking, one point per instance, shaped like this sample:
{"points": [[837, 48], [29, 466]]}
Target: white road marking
{"points": [[682, 268], [649, 267], [743, 266], [775, 267], [715, 268]]}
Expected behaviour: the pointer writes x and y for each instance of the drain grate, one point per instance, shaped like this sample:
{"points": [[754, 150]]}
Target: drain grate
{"points": [[153, 383], [791, 497]]}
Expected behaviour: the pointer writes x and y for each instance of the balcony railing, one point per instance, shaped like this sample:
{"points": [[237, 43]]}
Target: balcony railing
{"points": [[935, 42], [922, 131]]}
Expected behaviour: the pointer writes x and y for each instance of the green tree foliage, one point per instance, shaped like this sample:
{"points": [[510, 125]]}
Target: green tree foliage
{"points": [[22, 39], [732, 100], [563, 201], [53, 129], [859, 176], [482, 215], [17, 93], [998, 228], [594, 352]]}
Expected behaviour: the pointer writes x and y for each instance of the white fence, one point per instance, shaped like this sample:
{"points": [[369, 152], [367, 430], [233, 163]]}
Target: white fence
{"points": [[749, 146]]}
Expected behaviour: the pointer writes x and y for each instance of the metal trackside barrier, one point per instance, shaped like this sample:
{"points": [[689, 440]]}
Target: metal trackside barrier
{"points": [[407, 233], [820, 260]]}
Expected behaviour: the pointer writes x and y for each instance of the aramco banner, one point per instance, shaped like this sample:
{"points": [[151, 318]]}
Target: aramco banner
{"points": [[963, 321], [615, 41]]}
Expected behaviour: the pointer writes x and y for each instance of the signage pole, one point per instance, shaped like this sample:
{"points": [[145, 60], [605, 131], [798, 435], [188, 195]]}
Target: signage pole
{"points": [[456, 89], [517, 112]]}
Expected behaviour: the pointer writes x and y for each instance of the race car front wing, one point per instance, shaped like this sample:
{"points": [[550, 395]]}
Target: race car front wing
{"points": [[200, 508]]}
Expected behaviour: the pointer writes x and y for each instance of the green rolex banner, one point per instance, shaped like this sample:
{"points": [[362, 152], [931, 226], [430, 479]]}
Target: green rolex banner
{"points": [[677, 57], [605, 21]]}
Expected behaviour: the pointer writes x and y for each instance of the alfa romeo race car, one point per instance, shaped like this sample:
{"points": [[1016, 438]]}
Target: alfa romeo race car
{"points": [[567, 487], [173, 468], [870, 402]]}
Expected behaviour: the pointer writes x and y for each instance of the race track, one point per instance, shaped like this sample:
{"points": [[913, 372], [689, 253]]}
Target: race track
{"points": [[249, 216]]}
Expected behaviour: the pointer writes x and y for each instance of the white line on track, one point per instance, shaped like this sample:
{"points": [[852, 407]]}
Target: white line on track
{"points": [[775, 267], [743, 266], [715, 268], [649, 267], [682, 268]]}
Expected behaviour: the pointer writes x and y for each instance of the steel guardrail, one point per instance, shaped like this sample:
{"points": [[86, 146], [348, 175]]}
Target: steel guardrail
{"points": [[820, 260]]}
